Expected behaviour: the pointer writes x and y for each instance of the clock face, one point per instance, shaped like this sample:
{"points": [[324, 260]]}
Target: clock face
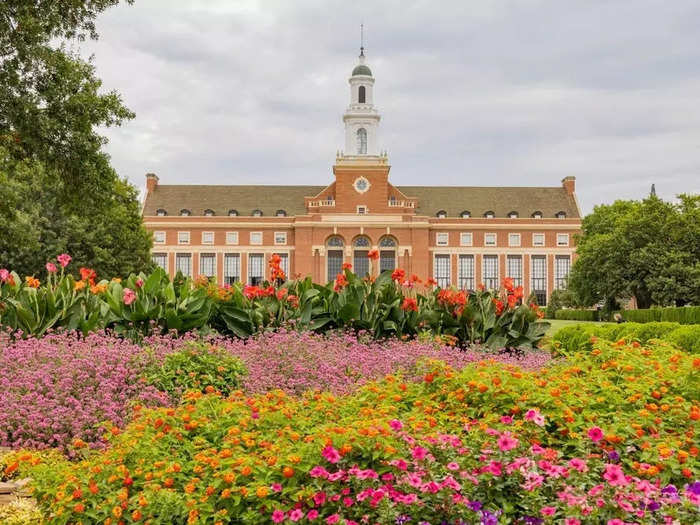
{"points": [[361, 185]]}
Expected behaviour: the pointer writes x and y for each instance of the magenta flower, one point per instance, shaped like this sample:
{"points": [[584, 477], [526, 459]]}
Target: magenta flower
{"points": [[51, 267], [595, 434], [572, 521], [548, 511], [296, 514], [614, 475], [419, 453], [395, 425], [139, 282], [129, 296], [331, 454], [278, 516], [64, 259], [312, 515], [507, 442], [4, 275], [333, 518], [534, 415]]}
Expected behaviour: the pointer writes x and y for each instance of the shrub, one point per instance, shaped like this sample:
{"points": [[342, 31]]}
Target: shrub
{"points": [[577, 315], [682, 315], [196, 366], [686, 337]]}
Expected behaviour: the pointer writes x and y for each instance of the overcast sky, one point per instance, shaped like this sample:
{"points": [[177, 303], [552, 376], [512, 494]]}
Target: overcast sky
{"points": [[471, 92]]}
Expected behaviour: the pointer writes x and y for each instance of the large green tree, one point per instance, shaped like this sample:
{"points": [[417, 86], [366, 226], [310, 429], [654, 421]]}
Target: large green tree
{"points": [[649, 250], [61, 193]]}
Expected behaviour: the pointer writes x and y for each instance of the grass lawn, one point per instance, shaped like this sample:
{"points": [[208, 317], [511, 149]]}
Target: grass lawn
{"points": [[556, 324]]}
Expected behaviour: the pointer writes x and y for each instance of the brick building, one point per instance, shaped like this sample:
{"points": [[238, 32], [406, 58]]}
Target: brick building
{"points": [[460, 235]]}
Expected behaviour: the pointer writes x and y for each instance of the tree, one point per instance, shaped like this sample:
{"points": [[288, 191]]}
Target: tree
{"points": [[649, 250]]}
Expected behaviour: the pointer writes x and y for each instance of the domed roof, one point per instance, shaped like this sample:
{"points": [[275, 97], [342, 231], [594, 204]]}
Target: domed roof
{"points": [[362, 70]]}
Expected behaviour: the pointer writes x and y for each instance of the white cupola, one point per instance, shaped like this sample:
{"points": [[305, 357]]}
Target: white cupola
{"points": [[361, 118]]}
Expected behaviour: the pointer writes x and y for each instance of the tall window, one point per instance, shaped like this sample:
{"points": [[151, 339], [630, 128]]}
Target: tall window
{"points": [[207, 264], [491, 271], [360, 262], [514, 269], [442, 270], [361, 95], [562, 265], [387, 254], [466, 272], [334, 257], [362, 141], [232, 268], [183, 264], [160, 259], [256, 268], [284, 263], [539, 278]]}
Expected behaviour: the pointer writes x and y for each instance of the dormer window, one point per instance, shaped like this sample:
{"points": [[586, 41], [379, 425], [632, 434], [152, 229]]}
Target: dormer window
{"points": [[561, 215], [233, 213], [329, 198], [257, 213], [281, 213], [537, 215], [513, 215], [161, 212], [489, 215], [465, 214], [209, 213], [442, 214], [185, 213]]}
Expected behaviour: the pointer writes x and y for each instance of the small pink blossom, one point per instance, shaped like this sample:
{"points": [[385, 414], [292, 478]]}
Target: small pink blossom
{"points": [[548, 511], [614, 475], [296, 515], [572, 521], [4, 275], [419, 453], [395, 425], [506, 442], [453, 466], [139, 283], [312, 515], [595, 434], [129, 296], [333, 518], [331, 454], [534, 415], [278, 516], [51, 267], [64, 259]]}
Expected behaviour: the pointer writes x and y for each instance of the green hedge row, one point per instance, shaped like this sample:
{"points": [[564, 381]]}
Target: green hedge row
{"points": [[577, 315], [682, 315], [578, 337]]}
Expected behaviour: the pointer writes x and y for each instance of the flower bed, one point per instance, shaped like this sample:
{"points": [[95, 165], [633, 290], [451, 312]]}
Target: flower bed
{"points": [[609, 437]]}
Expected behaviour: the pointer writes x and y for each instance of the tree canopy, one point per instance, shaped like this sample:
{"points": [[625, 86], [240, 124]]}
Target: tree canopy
{"points": [[648, 249]]}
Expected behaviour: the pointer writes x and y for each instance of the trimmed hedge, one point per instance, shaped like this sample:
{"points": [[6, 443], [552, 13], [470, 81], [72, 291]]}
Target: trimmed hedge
{"points": [[682, 315], [577, 315], [578, 337]]}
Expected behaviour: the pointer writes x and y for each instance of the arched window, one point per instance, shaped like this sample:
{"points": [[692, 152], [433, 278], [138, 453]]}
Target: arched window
{"points": [[362, 141], [513, 215], [361, 95], [334, 256], [281, 213], [489, 215], [561, 215], [208, 213], [537, 215], [360, 261], [335, 242], [361, 242], [465, 214], [257, 213], [233, 213], [387, 254], [441, 214], [185, 212], [161, 212]]}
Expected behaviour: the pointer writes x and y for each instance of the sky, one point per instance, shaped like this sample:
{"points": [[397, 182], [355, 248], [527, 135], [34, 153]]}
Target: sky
{"points": [[471, 93]]}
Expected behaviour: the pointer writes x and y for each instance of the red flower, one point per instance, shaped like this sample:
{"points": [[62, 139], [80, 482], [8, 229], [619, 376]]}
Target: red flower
{"points": [[373, 255], [293, 300], [340, 282], [499, 306], [251, 292], [519, 292], [281, 293], [398, 275], [410, 304], [88, 274], [347, 266], [415, 278], [431, 282], [508, 283], [512, 301]]}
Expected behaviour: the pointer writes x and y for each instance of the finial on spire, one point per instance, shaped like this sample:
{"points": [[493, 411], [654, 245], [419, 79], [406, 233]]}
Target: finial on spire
{"points": [[653, 190], [362, 40]]}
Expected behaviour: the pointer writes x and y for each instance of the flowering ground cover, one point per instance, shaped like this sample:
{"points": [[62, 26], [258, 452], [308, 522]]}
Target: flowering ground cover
{"points": [[609, 436]]}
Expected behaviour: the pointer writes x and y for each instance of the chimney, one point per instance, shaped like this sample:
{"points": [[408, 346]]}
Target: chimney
{"points": [[569, 184], [151, 182]]}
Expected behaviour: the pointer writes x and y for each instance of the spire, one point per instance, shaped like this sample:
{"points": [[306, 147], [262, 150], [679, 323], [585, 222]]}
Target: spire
{"points": [[362, 40], [653, 190]]}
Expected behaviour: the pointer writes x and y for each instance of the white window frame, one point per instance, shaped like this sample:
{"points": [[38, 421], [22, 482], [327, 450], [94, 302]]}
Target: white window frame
{"points": [[283, 236], [204, 241], [562, 236], [155, 237], [495, 239], [227, 257], [250, 266], [512, 236], [185, 255], [442, 235], [446, 281], [180, 239], [231, 237], [160, 255], [466, 238], [362, 209], [535, 243], [253, 242], [531, 277], [208, 255], [497, 278]]}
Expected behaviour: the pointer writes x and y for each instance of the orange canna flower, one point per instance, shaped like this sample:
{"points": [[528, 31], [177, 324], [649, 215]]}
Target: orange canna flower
{"points": [[32, 282], [373, 255]]}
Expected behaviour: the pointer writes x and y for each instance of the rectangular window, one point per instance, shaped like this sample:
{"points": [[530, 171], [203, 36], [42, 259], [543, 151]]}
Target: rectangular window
{"points": [[183, 264], [231, 237], [513, 239], [361, 210], [183, 237], [232, 268], [562, 239], [490, 263], [160, 259], [442, 270], [360, 263], [538, 239], [562, 265], [256, 268], [207, 237], [514, 269], [280, 238], [465, 239], [489, 239], [158, 237], [284, 263], [387, 260], [442, 239], [335, 263], [466, 272], [256, 238], [207, 264], [538, 270]]}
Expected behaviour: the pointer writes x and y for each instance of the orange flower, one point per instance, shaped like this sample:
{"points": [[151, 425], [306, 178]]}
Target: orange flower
{"points": [[508, 283], [79, 507], [287, 472], [409, 304], [79, 285], [347, 266], [32, 282], [373, 255], [261, 492]]}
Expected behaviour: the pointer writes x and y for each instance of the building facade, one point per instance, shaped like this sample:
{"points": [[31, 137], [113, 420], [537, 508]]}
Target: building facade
{"points": [[461, 236]]}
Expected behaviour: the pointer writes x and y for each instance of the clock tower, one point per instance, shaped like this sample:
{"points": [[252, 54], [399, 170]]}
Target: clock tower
{"points": [[361, 118]]}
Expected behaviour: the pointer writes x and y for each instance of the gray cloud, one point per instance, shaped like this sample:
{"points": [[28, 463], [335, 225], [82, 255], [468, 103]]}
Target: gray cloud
{"points": [[494, 93]]}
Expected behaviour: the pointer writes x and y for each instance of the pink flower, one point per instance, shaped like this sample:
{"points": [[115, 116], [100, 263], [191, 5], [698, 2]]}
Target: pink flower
{"points": [[395, 425], [534, 415], [548, 511], [331, 454], [51, 267], [278, 516], [139, 282], [276, 487], [129, 296], [572, 521], [614, 475], [64, 259], [419, 453], [507, 442], [595, 434], [578, 464], [333, 518], [453, 466], [616, 521], [4, 275], [318, 472], [296, 514], [312, 515], [506, 420]]}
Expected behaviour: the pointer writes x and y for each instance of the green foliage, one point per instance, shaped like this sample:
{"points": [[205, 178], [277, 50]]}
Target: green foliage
{"points": [[577, 315], [682, 315], [560, 299], [198, 367], [686, 337], [646, 249]]}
